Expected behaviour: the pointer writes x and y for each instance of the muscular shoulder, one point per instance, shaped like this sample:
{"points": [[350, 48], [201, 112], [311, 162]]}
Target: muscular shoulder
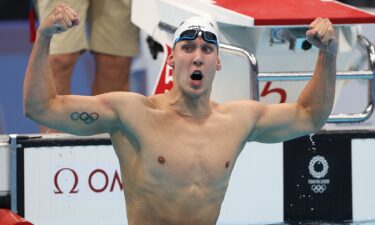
{"points": [[244, 108], [130, 109], [240, 116], [124, 104], [242, 113], [121, 99]]}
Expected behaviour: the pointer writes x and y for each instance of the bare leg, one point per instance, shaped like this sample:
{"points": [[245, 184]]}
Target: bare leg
{"points": [[62, 66], [111, 73]]}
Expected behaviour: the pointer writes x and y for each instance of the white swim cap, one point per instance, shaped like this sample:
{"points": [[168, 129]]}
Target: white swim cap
{"points": [[196, 23]]}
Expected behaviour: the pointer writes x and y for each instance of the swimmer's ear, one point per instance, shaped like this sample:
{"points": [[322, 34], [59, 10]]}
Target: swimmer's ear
{"points": [[170, 60], [218, 65]]}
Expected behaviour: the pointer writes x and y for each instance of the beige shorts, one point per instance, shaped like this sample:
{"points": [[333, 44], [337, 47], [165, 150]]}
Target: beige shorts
{"points": [[107, 23]]}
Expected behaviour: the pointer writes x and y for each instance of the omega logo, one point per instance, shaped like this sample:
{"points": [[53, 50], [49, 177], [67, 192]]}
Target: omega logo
{"points": [[74, 189], [56, 181]]}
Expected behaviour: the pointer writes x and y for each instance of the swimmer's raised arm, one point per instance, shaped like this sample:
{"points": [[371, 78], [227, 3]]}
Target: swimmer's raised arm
{"points": [[82, 115], [281, 122]]}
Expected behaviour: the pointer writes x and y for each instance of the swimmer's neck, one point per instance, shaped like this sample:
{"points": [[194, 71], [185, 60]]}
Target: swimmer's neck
{"points": [[199, 107]]}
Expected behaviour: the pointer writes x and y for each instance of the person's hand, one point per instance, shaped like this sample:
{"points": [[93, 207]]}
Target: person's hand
{"points": [[322, 35], [62, 18]]}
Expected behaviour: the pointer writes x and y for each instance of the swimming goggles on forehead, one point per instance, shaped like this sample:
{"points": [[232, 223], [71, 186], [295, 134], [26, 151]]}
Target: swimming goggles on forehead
{"points": [[194, 33]]}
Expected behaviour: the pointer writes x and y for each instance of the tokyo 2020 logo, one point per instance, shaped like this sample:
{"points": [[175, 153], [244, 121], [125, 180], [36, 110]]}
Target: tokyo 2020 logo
{"points": [[318, 185]]}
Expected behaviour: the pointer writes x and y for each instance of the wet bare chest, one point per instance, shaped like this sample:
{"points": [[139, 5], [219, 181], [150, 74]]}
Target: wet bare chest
{"points": [[200, 153]]}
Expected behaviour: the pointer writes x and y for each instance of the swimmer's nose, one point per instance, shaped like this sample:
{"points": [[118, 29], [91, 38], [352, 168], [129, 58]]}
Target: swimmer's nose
{"points": [[197, 62], [198, 57]]}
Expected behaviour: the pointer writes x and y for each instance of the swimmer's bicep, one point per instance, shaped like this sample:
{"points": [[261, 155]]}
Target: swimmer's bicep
{"points": [[80, 115], [280, 122]]}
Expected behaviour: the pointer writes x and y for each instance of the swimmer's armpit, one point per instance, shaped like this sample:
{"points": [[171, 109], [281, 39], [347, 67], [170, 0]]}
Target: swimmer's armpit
{"points": [[85, 117]]}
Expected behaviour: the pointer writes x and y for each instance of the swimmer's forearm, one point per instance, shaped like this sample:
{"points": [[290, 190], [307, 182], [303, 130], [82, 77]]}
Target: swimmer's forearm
{"points": [[39, 85], [319, 94]]}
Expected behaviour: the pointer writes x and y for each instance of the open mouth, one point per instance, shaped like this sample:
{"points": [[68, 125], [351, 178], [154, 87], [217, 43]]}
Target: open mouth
{"points": [[197, 75]]}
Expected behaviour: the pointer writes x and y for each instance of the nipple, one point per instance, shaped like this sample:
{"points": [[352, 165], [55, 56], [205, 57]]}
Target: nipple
{"points": [[227, 164], [161, 159]]}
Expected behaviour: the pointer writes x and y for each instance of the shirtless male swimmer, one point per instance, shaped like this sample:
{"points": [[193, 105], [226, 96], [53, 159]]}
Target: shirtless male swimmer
{"points": [[177, 150]]}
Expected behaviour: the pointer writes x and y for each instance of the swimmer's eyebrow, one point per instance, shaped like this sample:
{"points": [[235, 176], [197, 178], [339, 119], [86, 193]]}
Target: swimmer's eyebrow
{"points": [[191, 44], [188, 43]]}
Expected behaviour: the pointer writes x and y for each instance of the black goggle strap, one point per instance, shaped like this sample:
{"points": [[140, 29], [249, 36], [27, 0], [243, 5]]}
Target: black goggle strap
{"points": [[193, 34]]}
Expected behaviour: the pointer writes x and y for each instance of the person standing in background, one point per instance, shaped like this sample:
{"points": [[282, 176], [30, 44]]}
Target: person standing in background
{"points": [[106, 31]]}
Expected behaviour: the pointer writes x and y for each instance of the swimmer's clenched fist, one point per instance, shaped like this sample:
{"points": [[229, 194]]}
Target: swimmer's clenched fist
{"points": [[322, 35], [62, 18]]}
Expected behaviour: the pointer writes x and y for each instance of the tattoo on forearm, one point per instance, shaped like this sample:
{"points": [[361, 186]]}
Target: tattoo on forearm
{"points": [[85, 117]]}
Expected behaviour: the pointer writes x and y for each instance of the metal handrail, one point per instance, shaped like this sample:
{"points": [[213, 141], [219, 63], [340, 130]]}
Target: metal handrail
{"points": [[304, 76], [254, 87], [360, 117], [13, 172]]}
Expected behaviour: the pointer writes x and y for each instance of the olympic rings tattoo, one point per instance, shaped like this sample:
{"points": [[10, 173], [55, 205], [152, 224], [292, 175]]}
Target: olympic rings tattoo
{"points": [[85, 117]]}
